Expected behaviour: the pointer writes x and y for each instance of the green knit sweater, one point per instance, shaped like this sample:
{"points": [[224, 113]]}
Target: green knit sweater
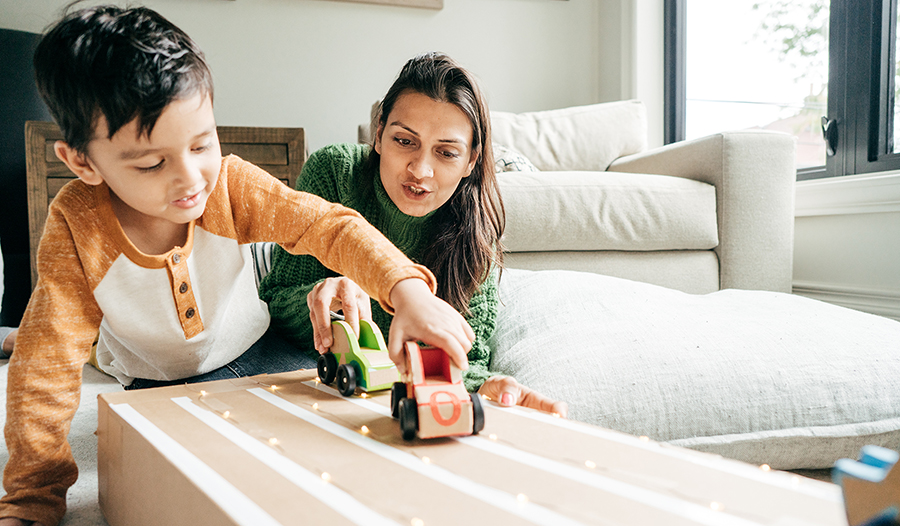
{"points": [[336, 174]]}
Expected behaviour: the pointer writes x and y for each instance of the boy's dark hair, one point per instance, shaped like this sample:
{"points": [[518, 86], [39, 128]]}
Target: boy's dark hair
{"points": [[123, 64]]}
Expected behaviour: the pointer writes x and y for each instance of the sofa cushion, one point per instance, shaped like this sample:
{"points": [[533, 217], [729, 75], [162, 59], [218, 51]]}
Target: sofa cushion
{"points": [[551, 211], [575, 138], [763, 377]]}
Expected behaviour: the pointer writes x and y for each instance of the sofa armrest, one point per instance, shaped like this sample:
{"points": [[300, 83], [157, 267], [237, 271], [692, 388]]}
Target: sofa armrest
{"points": [[754, 174]]}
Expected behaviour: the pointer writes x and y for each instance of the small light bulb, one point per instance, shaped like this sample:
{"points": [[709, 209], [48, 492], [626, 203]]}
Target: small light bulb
{"points": [[274, 387], [556, 415], [486, 397], [417, 522], [364, 429], [316, 406], [426, 460], [226, 414], [326, 477], [590, 464], [765, 467], [202, 393], [644, 438], [715, 506], [492, 436], [363, 395], [273, 441], [522, 498]]}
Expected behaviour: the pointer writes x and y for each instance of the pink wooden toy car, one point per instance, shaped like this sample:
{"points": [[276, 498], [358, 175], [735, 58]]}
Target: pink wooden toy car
{"points": [[432, 401]]}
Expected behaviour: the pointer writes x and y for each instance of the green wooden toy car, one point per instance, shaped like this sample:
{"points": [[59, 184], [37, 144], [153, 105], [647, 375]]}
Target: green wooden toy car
{"points": [[362, 363]]}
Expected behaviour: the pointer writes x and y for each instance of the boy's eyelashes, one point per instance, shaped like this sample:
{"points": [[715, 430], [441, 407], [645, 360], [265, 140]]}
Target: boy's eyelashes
{"points": [[157, 166]]}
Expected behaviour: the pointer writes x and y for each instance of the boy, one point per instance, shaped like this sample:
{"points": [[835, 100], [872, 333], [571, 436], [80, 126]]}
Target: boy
{"points": [[150, 247]]}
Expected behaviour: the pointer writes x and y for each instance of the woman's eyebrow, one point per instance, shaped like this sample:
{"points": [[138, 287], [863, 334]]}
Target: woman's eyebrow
{"points": [[412, 131]]}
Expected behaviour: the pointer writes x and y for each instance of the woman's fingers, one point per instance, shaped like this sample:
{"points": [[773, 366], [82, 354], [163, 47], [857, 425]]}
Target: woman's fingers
{"points": [[506, 391]]}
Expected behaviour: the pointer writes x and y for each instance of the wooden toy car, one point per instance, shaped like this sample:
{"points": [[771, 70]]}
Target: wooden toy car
{"points": [[362, 363], [871, 486], [432, 400]]}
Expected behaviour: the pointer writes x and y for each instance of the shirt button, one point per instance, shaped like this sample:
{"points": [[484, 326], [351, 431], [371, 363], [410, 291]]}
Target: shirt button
{"points": [[176, 258], [183, 288], [189, 313]]}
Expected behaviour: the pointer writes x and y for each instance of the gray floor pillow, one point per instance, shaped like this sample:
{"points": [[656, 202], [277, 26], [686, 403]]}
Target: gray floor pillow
{"points": [[758, 376]]}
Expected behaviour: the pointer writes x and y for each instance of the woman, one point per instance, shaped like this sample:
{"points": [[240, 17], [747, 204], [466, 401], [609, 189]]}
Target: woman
{"points": [[428, 184]]}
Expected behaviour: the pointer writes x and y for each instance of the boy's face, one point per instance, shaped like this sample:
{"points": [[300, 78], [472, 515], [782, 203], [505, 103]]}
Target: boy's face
{"points": [[162, 179]]}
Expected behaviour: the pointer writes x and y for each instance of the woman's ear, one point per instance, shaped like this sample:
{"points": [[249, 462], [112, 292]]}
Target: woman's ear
{"points": [[77, 162], [378, 131], [472, 161]]}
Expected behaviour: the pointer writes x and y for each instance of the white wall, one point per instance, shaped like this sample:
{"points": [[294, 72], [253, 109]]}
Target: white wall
{"points": [[320, 64], [847, 242]]}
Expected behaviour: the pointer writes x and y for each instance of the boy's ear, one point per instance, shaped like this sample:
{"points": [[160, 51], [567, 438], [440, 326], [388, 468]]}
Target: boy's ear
{"points": [[77, 162]]}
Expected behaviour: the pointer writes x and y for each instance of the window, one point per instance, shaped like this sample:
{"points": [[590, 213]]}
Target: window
{"points": [[784, 65]]}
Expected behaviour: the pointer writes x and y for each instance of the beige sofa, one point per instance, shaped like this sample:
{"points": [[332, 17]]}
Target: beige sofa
{"points": [[697, 216]]}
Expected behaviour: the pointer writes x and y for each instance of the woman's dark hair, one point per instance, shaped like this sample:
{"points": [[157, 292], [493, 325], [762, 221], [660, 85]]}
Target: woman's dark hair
{"points": [[123, 64], [469, 225]]}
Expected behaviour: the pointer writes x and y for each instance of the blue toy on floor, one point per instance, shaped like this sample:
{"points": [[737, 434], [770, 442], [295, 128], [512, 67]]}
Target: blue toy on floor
{"points": [[871, 488]]}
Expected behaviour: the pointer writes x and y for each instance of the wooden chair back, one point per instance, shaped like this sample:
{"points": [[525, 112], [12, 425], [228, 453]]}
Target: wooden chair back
{"points": [[279, 151]]}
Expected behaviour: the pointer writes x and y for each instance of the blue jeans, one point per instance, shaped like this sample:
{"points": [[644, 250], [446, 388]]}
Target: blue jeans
{"points": [[269, 355]]}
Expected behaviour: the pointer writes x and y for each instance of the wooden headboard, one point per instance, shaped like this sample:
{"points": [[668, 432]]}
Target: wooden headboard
{"points": [[279, 151]]}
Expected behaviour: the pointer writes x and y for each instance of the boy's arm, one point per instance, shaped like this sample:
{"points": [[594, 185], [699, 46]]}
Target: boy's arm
{"points": [[292, 277], [44, 380], [263, 209]]}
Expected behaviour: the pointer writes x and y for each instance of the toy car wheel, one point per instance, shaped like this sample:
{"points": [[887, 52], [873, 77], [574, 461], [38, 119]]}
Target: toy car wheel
{"points": [[477, 413], [327, 365], [346, 378], [409, 417], [398, 392]]}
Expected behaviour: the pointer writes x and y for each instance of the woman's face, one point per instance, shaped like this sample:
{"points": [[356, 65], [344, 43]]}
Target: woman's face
{"points": [[426, 150]]}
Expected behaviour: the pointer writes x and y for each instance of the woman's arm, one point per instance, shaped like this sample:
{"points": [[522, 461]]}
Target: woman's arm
{"points": [[482, 318]]}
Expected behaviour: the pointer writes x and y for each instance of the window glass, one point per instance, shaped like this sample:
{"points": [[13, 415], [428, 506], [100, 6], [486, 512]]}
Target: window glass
{"points": [[758, 64]]}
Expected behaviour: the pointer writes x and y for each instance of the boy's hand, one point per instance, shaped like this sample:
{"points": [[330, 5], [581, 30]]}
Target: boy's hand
{"points": [[335, 294], [12, 521], [505, 390], [419, 315]]}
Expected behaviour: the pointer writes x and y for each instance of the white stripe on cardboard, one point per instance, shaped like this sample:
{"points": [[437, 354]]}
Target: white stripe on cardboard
{"points": [[333, 497], [237, 505], [785, 481], [525, 510], [668, 504]]}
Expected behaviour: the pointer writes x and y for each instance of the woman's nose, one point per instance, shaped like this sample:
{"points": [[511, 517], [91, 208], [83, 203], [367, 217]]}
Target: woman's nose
{"points": [[420, 167]]}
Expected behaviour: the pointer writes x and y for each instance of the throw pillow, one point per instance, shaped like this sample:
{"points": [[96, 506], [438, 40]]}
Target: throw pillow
{"points": [[509, 160]]}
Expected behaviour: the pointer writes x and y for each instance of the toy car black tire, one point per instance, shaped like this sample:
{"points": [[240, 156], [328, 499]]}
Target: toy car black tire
{"points": [[346, 379], [409, 417], [477, 413], [398, 391], [327, 365]]}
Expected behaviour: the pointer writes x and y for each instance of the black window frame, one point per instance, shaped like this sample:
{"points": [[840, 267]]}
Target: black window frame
{"points": [[862, 61]]}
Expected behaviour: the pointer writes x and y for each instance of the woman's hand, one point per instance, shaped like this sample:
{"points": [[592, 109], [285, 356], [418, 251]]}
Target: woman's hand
{"points": [[334, 294], [419, 315], [505, 390]]}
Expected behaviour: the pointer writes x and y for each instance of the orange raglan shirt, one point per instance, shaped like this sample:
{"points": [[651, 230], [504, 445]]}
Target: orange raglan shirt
{"points": [[162, 317]]}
